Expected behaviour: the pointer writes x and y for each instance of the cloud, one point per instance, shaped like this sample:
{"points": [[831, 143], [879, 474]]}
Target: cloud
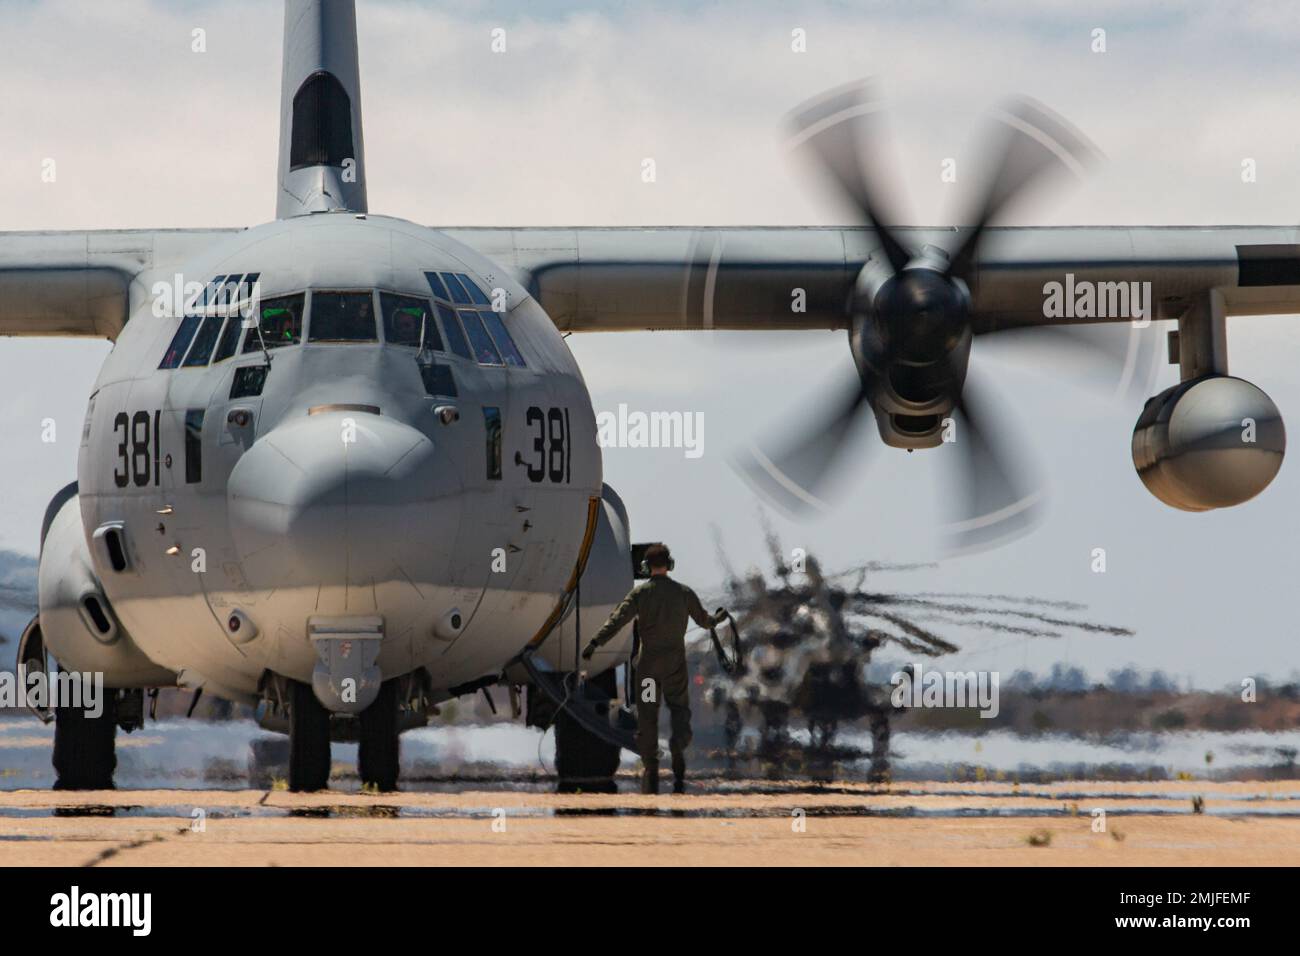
{"points": [[148, 133]]}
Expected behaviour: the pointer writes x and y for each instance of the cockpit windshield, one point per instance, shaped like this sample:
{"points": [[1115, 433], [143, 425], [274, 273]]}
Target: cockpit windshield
{"points": [[281, 323], [409, 321], [343, 317]]}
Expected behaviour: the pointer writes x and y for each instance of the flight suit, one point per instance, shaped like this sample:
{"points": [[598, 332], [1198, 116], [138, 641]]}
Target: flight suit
{"points": [[661, 607]]}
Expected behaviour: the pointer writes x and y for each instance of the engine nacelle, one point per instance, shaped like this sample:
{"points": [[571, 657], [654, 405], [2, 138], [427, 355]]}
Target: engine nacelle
{"points": [[77, 622], [911, 342], [1212, 442]]}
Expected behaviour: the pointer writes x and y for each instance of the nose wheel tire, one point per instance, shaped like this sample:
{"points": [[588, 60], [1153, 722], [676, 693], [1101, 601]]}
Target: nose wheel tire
{"points": [[309, 740], [378, 749], [85, 752]]}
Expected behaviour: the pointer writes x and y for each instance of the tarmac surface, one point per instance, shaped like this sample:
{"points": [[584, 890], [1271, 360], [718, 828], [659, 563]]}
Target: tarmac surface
{"points": [[1192, 823]]}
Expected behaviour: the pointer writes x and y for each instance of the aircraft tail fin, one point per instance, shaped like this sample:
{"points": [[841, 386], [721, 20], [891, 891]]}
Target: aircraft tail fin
{"points": [[322, 155]]}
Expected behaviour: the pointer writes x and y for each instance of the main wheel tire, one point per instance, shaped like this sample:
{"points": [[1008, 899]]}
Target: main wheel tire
{"points": [[309, 740], [379, 744], [85, 751], [583, 762]]}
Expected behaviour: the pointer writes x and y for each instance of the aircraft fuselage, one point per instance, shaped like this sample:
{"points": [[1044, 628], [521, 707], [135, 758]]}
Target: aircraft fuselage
{"points": [[357, 477]]}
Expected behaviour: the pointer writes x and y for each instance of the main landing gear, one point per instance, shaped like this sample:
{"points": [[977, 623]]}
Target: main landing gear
{"points": [[85, 746], [586, 762]]}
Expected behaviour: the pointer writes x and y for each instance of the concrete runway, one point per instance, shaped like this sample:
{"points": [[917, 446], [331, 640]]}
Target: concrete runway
{"points": [[1250, 824]]}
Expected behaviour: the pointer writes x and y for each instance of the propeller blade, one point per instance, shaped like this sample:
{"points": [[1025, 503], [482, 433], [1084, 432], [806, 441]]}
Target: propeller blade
{"points": [[1028, 142], [844, 129], [793, 477], [995, 498], [1126, 358]]}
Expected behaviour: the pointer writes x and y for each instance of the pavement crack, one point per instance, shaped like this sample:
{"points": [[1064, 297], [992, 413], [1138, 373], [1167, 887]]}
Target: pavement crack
{"points": [[112, 851]]}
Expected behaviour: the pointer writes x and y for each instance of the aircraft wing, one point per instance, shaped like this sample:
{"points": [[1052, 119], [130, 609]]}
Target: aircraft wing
{"points": [[610, 280], [85, 283], [767, 278], [605, 280]]}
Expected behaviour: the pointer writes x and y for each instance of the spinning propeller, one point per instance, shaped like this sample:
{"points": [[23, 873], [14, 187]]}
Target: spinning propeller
{"points": [[910, 318]]}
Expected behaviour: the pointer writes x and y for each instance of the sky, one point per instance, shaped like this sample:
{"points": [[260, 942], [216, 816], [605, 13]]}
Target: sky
{"points": [[147, 133]]}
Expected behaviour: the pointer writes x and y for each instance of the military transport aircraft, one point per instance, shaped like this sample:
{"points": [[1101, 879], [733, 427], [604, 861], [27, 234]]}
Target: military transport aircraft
{"points": [[342, 466]]}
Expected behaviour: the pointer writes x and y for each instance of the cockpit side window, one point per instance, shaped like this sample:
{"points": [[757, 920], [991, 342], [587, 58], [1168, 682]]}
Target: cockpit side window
{"points": [[342, 317], [458, 293], [180, 342], [204, 340], [281, 323], [438, 380], [501, 335], [489, 341], [438, 286], [208, 296], [484, 349], [229, 340], [455, 334], [474, 291], [406, 319], [227, 294]]}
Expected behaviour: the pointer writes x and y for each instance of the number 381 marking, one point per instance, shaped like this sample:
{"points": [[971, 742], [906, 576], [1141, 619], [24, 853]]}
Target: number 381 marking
{"points": [[137, 435], [551, 444]]}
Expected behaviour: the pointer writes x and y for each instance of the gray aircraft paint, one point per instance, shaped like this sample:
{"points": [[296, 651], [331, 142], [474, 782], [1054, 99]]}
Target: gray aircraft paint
{"points": [[282, 567]]}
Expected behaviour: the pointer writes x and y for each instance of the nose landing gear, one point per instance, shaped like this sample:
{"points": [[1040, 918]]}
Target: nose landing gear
{"points": [[311, 727]]}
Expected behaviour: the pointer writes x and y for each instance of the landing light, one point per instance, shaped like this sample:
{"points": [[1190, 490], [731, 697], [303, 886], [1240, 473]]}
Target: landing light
{"points": [[240, 628], [448, 627]]}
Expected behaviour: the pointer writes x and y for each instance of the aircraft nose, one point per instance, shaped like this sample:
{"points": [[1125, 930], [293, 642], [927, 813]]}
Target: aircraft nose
{"points": [[341, 498]]}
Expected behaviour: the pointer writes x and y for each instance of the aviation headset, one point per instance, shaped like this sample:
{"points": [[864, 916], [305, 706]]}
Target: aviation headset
{"points": [[645, 565]]}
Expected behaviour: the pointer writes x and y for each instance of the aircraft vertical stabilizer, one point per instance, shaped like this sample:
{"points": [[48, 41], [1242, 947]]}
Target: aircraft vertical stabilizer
{"points": [[322, 156]]}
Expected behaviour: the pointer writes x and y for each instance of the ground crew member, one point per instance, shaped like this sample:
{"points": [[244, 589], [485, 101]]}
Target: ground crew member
{"points": [[660, 606]]}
